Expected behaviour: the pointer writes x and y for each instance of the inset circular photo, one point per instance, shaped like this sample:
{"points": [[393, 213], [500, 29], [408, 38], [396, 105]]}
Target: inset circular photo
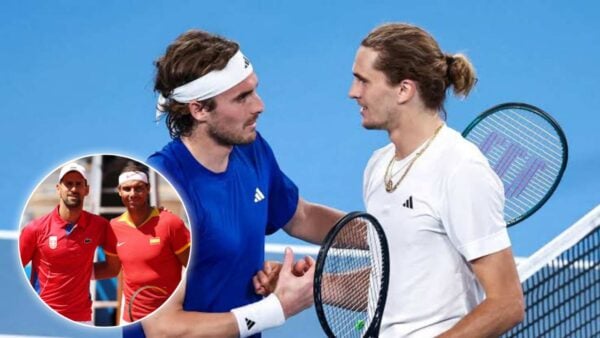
{"points": [[104, 240]]}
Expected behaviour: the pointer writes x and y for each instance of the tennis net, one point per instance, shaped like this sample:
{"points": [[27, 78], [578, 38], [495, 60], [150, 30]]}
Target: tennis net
{"points": [[561, 284]]}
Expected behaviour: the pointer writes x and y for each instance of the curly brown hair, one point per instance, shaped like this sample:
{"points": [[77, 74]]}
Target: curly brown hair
{"points": [[192, 55]]}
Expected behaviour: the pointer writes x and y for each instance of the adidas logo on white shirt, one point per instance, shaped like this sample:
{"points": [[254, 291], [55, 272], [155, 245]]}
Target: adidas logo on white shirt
{"points": [[258, 196], [408, 203]]}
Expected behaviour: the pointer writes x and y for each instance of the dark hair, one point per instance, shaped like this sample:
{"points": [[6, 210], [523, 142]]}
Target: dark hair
{"points": [[409, 52], [193, 54]]}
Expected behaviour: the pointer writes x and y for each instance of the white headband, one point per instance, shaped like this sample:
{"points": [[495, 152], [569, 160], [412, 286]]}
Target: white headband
{"points": [[133, 176], [209, 85]]}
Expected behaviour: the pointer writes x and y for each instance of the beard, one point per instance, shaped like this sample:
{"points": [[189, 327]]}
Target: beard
{"points": [[72, 202], [228, 137]]}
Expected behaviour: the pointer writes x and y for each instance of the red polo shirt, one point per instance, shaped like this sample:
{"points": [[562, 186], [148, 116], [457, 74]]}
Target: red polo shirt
{"points": [[62, 261], [148, 254]]}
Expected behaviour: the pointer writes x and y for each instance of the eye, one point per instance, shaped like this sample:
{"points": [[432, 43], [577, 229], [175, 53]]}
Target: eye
{"points": [[243, 96], [241, 99]]}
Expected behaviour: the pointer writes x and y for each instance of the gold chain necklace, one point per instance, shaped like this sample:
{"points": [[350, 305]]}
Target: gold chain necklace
{"points": [[388, 178]]}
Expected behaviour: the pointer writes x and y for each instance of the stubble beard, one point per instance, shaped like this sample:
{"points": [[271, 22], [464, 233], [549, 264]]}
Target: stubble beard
{"points": [[75, 203], [374, 125], [226, 137], [378, 125]]}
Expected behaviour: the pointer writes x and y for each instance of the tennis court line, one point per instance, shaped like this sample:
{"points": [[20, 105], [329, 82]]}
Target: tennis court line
{"points": [[279, 248]]}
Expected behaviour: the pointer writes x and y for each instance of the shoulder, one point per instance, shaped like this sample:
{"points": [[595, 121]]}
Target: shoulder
{"points": [[42, 219], [167, 160], [457, 152], [162, 158], [467, 167], [116, 221], [95, 219], [39, 223], [169, 217]]}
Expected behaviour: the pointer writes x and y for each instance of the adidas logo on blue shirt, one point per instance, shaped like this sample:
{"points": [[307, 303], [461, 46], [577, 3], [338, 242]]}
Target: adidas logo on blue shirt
{"points": [[258, 196]]}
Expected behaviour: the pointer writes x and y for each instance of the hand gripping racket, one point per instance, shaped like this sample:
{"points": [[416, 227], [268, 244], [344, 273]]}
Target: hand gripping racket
{"points": [[528, 151], [351, 277]]}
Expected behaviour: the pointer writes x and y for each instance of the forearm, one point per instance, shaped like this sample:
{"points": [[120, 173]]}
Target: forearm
{"points": [[172, 321], [491, 318], [179, 323], [312, 222], [351, 289]]}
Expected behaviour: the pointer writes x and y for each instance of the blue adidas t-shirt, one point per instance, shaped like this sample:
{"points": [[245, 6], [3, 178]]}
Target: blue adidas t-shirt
{"points": [[230, 214]]}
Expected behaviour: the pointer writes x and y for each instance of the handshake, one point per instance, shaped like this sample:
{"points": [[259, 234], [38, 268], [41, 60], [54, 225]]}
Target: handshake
{"points": [[291, 282]]}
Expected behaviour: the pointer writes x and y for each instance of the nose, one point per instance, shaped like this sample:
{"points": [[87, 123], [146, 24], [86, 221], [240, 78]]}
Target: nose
{"points": [[259, 105], [354, 92]]}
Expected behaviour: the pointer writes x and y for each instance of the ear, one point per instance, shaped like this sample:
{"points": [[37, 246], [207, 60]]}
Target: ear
{"points": [[198, 110], [87, 190], [406, 90]]}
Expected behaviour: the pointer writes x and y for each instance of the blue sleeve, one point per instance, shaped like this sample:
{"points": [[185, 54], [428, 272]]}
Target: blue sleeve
{"points": [[283, 193], [165, 163], [134, 330]]}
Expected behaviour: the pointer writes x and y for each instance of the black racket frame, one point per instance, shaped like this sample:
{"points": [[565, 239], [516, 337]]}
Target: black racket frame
{"points": [[373, 329]]}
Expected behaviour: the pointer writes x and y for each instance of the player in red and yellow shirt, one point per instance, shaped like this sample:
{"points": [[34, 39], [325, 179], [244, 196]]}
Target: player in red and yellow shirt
{"points": [[150, 245], [61, 247]]}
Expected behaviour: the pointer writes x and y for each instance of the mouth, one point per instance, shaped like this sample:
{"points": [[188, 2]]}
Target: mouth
{"points": [[252, 123]]}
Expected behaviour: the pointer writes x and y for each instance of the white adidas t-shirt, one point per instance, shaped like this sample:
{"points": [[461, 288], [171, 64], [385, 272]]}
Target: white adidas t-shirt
{"points": [[447, 211]]}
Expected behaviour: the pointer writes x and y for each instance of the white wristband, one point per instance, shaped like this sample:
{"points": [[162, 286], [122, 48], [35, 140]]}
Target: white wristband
{"points": [[256, 317]]}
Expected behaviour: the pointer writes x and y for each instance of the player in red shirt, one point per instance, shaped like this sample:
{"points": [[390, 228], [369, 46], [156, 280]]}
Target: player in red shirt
{"points": [[61, 247], [152, 246]]}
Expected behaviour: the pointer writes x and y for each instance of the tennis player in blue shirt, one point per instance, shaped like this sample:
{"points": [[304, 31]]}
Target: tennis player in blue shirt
{"points": [[235, 194]]}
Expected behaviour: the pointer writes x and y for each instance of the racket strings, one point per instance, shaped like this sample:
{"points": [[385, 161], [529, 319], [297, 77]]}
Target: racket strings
{"points": [[526, 151], [533, 140], [355, 259]]}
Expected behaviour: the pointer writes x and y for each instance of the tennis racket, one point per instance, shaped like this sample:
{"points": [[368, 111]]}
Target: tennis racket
{"points": [[351, 277], [528, 151], [144, 301]]}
